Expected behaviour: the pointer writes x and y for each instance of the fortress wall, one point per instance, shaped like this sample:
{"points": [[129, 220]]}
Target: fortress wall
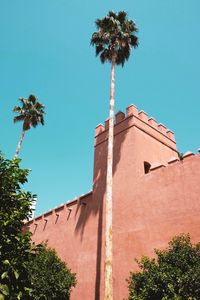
{"points": [[148, 209], [158, 206], [74, 236]]}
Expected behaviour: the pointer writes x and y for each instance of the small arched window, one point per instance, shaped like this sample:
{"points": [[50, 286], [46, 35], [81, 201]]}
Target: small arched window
{"points": [[147, 167]]}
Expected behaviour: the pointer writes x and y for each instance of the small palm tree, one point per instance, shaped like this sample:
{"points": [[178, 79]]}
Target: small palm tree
{"points": [[31, 114], [113, 41]]}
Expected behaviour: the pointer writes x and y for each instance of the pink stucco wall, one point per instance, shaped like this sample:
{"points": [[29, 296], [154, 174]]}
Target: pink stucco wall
{"points": [[148, 209]]}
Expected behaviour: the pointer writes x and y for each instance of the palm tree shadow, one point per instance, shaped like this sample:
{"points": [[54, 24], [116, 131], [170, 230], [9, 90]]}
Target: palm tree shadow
{"points": [[95, 206]]}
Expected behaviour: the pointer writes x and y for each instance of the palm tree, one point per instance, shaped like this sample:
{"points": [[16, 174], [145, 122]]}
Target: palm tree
{"points": [[31, 114], [113, 41]]}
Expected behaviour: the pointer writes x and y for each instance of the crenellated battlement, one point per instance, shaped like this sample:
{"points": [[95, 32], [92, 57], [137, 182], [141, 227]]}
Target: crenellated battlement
{"points": [[140, 119], [175, 161], [57, 211]]}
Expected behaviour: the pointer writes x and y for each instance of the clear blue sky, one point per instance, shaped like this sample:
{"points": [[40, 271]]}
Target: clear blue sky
{"points": [[45, 50]]}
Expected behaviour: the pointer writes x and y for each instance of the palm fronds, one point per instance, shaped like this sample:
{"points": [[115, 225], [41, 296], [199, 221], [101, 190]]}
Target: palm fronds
{"points": [[115, 37], [31, 112]]}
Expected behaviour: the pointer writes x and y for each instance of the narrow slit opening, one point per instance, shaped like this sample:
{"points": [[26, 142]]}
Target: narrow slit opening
{"points": [[147, 167]]}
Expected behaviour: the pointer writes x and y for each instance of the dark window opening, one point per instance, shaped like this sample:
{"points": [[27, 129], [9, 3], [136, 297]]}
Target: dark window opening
{"points": [[147, 167]]}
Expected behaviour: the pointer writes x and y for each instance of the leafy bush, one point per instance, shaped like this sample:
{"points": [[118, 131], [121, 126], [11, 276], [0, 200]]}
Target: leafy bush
{"points": [[15, 246], [50, 277], [175, 275], [27, 272]]}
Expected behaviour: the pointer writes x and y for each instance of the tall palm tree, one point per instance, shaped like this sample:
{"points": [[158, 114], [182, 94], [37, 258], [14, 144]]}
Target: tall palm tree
{"points": [[31, 114], [113, 41]]}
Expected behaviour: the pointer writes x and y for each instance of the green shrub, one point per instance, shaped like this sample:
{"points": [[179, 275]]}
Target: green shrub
{"points": [[175, 275], [15, 246], [51, 279]]}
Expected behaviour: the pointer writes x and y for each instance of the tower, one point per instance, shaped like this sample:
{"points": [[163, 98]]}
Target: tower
{"points": [[140, 144]]}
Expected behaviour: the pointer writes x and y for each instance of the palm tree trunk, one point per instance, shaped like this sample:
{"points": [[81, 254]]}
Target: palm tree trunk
{"points": [[20, 143], [108, 235]]}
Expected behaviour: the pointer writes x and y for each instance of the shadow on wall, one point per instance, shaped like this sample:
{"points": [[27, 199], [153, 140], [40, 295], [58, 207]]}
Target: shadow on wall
{"points": [[96, 206]]}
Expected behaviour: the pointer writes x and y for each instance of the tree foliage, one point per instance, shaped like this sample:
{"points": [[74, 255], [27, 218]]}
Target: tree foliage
{"points": [[15, 246], [175, 275], [27, 272], [115, 37], [31, 112], [50, 277]]}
